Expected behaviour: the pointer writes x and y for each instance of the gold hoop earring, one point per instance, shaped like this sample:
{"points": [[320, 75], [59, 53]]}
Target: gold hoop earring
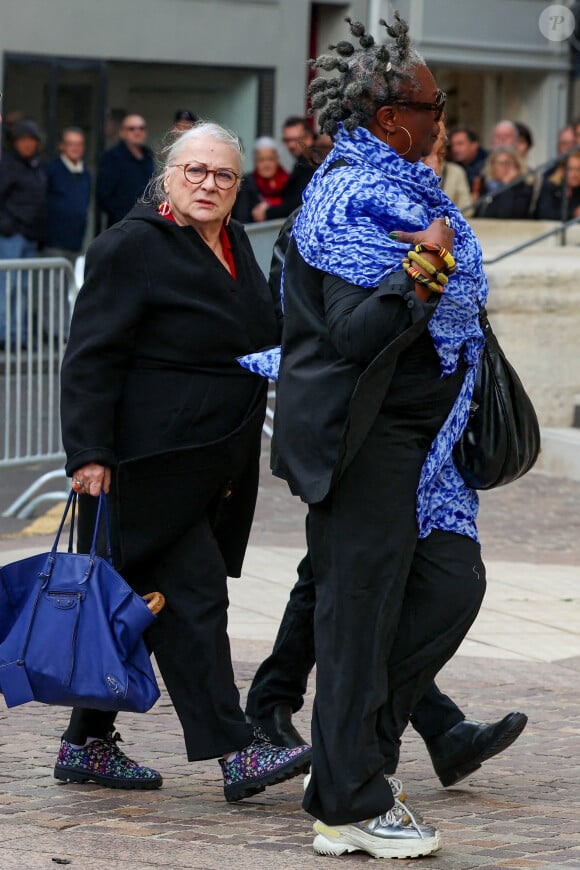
{"points": [[402, 153]]}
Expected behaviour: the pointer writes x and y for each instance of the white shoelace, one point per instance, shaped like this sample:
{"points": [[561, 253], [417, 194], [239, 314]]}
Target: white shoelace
{"points": [[396, 816]]}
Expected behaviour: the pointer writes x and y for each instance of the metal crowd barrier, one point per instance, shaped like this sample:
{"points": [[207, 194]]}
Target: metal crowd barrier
{"points": [[262, 237], [37, 295]]}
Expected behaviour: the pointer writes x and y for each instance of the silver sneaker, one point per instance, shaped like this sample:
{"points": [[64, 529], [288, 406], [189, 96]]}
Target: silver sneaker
{"points": [[395, 834]]}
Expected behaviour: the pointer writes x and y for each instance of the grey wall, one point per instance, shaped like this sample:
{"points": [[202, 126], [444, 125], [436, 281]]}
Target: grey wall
{"points": [[262, 33]]}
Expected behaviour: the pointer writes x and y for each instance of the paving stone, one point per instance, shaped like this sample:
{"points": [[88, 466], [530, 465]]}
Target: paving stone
{"points": [[520, 810]]}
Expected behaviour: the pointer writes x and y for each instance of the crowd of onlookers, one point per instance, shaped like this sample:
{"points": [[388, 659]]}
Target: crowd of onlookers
{"points": [[494, 182], [502, 184], [44, 206]]}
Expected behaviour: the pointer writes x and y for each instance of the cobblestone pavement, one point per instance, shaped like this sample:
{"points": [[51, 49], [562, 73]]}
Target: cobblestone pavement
{"points": [[521, 810]]}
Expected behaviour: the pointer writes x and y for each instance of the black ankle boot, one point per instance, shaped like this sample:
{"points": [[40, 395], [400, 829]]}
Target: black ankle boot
{"points": [[279, 727], [462, 749]]}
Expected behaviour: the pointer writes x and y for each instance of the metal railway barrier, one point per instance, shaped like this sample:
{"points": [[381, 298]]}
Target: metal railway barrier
{"points": [[37, 295]]}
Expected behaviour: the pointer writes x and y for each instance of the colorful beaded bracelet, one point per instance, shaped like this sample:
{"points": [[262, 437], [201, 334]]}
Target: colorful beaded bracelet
{"points": [[419, 278], [442, 252], [440, 277]]}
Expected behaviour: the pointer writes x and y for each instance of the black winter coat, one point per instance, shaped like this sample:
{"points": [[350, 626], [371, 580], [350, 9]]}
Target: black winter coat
{"points": [[300, 177], [22, 197], [150, 381], [556, 203], [122, 179], [512, 203]]}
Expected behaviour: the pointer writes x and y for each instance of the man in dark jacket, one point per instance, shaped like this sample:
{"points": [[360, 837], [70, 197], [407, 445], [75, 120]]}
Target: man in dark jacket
{"points": [[124, 170], [69, 192], [22, 221], [68, 196], [298, 139], [467, 151]]}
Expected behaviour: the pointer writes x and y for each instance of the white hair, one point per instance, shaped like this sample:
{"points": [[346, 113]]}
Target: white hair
{"points": [[265, 142], [155, 191]]}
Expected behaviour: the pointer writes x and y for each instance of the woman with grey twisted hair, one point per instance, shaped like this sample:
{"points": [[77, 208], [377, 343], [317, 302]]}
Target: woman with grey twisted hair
{"points": [[382, 282], [157, 411]]}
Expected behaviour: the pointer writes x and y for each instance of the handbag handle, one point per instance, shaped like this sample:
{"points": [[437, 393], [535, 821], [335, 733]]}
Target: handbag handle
{"points": [[102, 509]]}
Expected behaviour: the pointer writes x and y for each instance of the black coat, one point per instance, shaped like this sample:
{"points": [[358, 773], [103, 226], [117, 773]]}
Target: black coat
{"points": [[121, 180], [22, 197], [512, 203], [339, 352], [150, 381], [300, 177], [248, 197], [557, 203]]}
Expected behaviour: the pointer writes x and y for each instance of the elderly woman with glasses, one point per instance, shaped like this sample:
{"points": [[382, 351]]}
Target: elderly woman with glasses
{"points": [[265, 183], [381, 342], [156, 410]]}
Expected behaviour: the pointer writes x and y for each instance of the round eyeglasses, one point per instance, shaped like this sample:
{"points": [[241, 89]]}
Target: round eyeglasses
{"points": [[195, 173]]}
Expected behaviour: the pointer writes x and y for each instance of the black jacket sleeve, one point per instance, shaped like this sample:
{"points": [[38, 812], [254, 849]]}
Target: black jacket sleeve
{"points": [[362, 322], [248, 197], [549, 205], [292, 195], [106, 316]]}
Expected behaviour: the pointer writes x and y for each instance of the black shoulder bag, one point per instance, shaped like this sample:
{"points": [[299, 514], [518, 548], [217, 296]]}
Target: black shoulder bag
{"points": [[501, 441]]}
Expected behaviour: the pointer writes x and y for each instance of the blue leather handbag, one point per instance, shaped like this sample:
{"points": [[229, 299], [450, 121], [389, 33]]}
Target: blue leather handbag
{"points": [[71, 629]]}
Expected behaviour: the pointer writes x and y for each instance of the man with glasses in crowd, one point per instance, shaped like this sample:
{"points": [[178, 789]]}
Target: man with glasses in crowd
{"points": [[124, 170]]}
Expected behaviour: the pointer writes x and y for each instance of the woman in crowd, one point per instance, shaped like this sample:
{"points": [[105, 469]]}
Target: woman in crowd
{"points": [[504, 167], [374, 390], [265, 183], [559, 198], [156, 409]]}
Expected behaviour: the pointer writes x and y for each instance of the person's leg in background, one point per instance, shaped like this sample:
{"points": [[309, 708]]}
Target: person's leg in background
{"points": [[279, 686], [459, 746], [15, 247]]}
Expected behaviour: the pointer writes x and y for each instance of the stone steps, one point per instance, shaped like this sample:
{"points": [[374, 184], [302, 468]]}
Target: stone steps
{"points": [[560, 454]]}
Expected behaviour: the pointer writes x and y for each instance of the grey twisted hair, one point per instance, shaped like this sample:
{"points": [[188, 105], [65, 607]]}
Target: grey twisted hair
{"points": [[155, 191], [368, 77]]}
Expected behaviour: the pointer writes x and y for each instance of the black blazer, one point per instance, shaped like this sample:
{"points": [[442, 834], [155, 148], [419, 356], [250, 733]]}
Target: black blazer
{"points": [[340, 347], [150, 384]]}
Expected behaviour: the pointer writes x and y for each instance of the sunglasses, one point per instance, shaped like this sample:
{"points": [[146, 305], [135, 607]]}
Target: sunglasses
{"points": [[437, 107]]}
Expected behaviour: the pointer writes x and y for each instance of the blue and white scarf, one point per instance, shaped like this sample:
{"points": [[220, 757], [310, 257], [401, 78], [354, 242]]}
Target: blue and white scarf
{"points": [[343, 228]]}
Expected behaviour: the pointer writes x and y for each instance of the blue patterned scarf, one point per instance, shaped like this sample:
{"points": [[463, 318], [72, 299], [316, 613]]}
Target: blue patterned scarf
{"points": [[343, 228]]}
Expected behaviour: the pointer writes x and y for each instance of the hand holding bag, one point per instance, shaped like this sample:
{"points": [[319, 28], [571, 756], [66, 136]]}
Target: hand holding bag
{"points": [[71, 630], [501, 441]]}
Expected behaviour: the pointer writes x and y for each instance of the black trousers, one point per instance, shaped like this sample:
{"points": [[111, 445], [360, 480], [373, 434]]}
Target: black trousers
{"points": [[390, 609], [191, 646], [282, 678]]}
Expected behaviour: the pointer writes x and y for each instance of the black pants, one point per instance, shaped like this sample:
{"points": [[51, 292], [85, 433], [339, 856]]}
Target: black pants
{"points": [[282, 678], [390, 609], [191, 646]]}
